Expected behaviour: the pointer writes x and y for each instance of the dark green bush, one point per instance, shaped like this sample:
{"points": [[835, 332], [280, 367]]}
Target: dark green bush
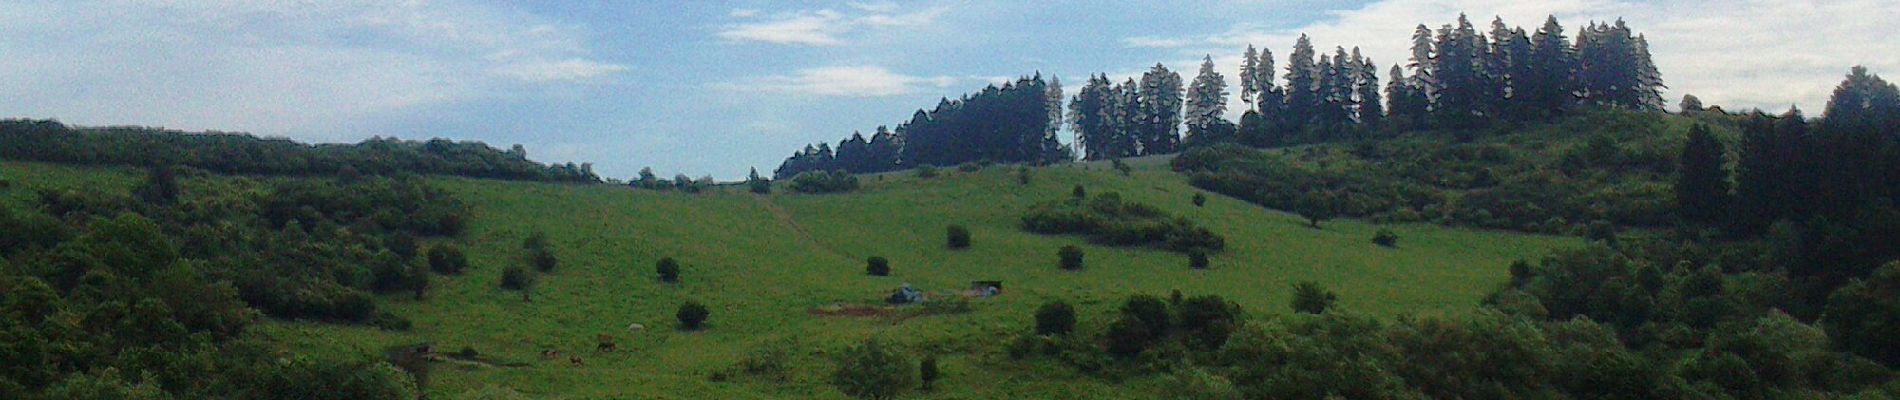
{"points": [[1070, 257], [1055, 318], [1197, 259], [818, 182], [1200, 199], [877, 266], [1108, 220], [543, 259], [692, 315], [926, 171], [1386, 238], [516, 278], [447, 259], [872, 371], [1310, 298], [668, 269], [958, 237]]}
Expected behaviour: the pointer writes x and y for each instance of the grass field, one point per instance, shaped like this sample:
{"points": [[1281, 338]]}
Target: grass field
{"points": [[761, 263]]}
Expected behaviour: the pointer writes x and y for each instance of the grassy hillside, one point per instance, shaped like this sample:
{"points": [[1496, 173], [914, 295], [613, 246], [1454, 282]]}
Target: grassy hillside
{"points": [[763, 262]]}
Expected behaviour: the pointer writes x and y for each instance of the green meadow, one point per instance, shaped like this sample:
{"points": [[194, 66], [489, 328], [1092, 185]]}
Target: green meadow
{"points": [[763, 263]]}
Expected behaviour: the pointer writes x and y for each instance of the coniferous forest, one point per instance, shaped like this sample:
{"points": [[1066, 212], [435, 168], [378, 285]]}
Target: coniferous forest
{"points": [[1711, 254]]}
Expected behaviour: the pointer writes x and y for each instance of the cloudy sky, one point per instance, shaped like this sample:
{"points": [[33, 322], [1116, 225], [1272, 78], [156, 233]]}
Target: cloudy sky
{"points": [[708, 87]]}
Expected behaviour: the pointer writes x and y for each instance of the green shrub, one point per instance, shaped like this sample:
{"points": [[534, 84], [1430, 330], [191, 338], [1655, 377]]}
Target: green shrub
{"points": [[969, 167], [1200, 199], [1108, 220], [1022, 176], [1310, 298], [1385, 238], [1121, 167], [1055, 318], [871, 371], [1078, 193], [1197, 259], [1071, 257], [516, 278], [926, 171], [447, 259], [668, 269], [543, 259], [692, 315], [819, 182], [877, 266], [958, 237]]}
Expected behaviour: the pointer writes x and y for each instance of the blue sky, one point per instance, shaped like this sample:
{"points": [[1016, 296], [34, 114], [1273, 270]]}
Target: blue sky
{"points": [[706, 87]]}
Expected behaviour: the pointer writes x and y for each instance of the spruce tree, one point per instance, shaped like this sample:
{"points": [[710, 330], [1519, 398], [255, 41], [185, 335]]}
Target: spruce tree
{"points": [[1405, 106], [1249, 67], [1160, 111], [1206, 98], [1302, 85], [1548, 86], [1371, 112], [1424, 63], [1702, 181]]}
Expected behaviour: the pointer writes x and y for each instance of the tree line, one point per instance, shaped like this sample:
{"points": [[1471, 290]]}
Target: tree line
{"points": [[1457, 78], [1014, 123], [238, 153]]}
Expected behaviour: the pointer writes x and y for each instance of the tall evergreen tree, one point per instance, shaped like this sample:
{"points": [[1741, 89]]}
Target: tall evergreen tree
{"points": [[1160, 112], [1406, 107], [885, 147], [1864, 103], [1371, 112], [1269, 99], [1424, 64], [1548, 86], [1302, 85], [1702, 182], [1460, 97], [1053, 96], [1091, 114], [1249, 67], [1206, 98]]}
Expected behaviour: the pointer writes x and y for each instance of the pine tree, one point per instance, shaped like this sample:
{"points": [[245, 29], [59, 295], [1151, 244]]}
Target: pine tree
{"points": [[1461, 86], [1206, 98], [1702, 182], [1424, 64], [1371, 113], [1864, 103], [1302, 85], [1091, 115], [1160, 111], [1249, 67], [1648, 79], [1052, 97], [1405, 105], [1269, 99], [885, 146], [1547, 89]]}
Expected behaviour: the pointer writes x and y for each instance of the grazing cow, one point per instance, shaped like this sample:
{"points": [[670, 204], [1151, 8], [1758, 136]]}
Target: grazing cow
{"points": [[635, 328], [575, 360]]}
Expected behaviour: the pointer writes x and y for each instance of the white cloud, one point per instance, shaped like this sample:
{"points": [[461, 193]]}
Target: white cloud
{"points": [[572, 69], [1150, 42], [822, 27], [818, 28], [840, 81], [1746, 53], [276, 68]]}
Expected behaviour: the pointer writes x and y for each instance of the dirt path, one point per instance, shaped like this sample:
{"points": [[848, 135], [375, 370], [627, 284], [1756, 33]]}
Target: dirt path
{"points": [[785, 218]]}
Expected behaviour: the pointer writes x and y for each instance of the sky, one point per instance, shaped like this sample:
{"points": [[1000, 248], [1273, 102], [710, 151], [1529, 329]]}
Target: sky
{"points": [[718, 87]]}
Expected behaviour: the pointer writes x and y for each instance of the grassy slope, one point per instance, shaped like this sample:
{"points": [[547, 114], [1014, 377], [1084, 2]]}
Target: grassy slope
{"points": [[761, 262]]}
